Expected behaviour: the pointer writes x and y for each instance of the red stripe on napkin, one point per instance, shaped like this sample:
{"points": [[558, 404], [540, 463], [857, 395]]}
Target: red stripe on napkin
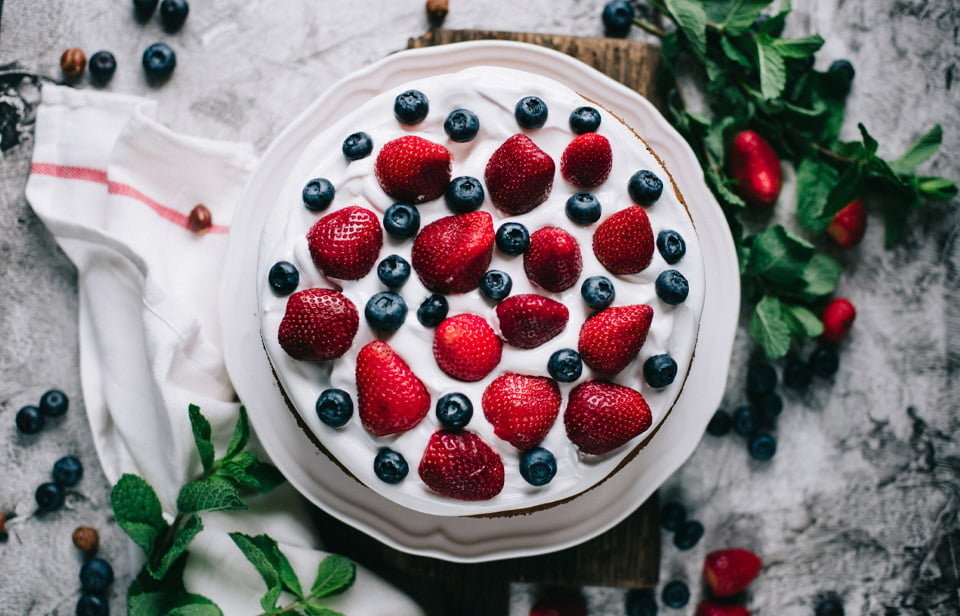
{"points": [[118, 188]]}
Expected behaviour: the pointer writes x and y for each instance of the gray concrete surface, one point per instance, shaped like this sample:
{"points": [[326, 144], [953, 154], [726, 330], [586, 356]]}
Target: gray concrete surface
{"points": [[863, 496]]}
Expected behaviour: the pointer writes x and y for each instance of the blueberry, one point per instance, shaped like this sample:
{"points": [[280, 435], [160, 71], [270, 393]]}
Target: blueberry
{"points": [[318, 194], [356, 146], [843, 67], [745, 420], [334, 407], [49, 496], [54, 403], [144, 8], [659, 370], [433, 310], [67, 471], [641, 602], [672, 516], [411, 107], [102, 66], [565, 365], [538, 466], [672, 287], [283, 277], [768, 407], [671, 246], [720, 423], [96, 575], [531, 112], [385, 311], [645, 187], [173, 14], [158, 61], [92, 605], [390, 466], [761, 378], [617, 18], [828, 606], [464, 194], [598, 292], [583, 208], [393, 271], [824, 361], [454, 411], [461, 125], [30, 420], [496, 284], [401, 221], [584, 120], [512, 238], [797, 373], [762, 446], [688, 534], [675, 594]]}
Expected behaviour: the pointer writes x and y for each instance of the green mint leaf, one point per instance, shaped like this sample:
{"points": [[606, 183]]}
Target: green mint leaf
{"points": [[734, 54], [773, 70], [920, 152], [848, 187], [209, 495], [815, 179], [246, 470], [264, 565], [201, 436], [691, 18], [196, 609], [774, 26], [138, 512], [264, 554], [779, 257], [161, 564], [315, 609], [742, 14], [723, 192], [334, 575], [870, 144], [798, 48], [241, 435], [894, 223], [769, 328], [802, 321], [820, 277], [936, 189], [164, 604]]}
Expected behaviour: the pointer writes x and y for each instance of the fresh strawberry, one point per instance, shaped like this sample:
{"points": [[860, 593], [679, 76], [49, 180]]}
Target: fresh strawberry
{"points": [[566, 604], [461, 465], [730, 570], [623, 243], [519, 175], [756, 168], [849, 224], [602, 416], [528, 320], [837, 319], [709, 608], [521, 408], [412, 169], [553, 260], [319, 324], [346, 244], [466, 347], [610, 339], [451, 254], [390, 397], [587, 160]]}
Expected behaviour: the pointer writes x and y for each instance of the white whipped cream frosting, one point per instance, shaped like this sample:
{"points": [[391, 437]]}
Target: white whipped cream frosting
{"points": [[491, 93]]}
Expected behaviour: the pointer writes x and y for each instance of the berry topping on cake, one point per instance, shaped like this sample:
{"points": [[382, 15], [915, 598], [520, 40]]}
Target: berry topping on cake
{"points": [[645, 187], [433, 310], [466, 347], [587, 160], [283, 277], [565, 365], [584, 120], [334, 407], [318, 194], [598, 292], [496, 285], [412, 169], [393, 271], [623, 243], [531, 112], [346, 244], [519, 175], [464, 194], [602, 416], [521, 408], [461, 465], [411, 107], [659, 370], [385, 311], [672, 287], [356, 146], [529, 320], [512, 238], [553, 261], [390, 397], [454, 411], [390, 466], [318, 325], [671, 246], [401, 221], [538, 466], [451, 254], [583, 208], [610, 339], [461, 125]]}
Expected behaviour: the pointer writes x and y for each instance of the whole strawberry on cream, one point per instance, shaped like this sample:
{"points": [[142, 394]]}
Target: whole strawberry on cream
{"points": [[446, 401]]}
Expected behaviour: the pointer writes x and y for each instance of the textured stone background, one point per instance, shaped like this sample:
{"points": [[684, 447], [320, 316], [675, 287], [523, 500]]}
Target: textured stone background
{"points": [[863, 495]]}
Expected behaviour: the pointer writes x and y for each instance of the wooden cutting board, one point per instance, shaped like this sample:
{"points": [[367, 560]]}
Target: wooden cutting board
{"points": [[627, 556]]}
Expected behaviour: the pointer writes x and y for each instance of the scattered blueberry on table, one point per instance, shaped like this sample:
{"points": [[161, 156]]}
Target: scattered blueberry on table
{"points": [[173, 14], [30, 420], [158, 61], [675, 594]]}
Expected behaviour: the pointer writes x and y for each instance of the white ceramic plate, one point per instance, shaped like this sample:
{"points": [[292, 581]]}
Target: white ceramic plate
{"points": [[479, 539]]}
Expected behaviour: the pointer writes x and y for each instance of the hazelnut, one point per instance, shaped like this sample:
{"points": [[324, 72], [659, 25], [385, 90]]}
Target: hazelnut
{"points": [[3, 523], [72, 62], [87, 539], [200, 219], [437, 11]]}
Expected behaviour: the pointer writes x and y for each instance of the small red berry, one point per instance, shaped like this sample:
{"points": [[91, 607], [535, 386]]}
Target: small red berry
{"points": [[837, 318], [756, 168], [849, 224]]}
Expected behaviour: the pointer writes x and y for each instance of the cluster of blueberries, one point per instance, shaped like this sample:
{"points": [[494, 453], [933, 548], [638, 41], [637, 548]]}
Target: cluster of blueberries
{"points": [[96, 576], [33, 417]]}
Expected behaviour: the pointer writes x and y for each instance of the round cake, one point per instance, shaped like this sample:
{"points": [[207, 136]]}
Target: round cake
{"points": [[479, 292]]}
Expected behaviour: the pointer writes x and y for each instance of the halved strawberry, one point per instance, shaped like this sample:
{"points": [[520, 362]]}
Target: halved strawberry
{"points": [[587, 160], [451, 254], [528, 320], [624, 242], [466, 347], [730, 570], [390, 397], [521, 408], [849, 225], [610, 339], [319, 324], [346, 244], [412, 169], [709, 608], [519, 175], [553, 261], [602, 416], [461, 465]]}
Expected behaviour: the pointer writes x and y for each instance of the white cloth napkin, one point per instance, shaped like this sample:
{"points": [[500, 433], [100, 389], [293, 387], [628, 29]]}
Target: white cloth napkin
{"points": [[115, 188]]}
